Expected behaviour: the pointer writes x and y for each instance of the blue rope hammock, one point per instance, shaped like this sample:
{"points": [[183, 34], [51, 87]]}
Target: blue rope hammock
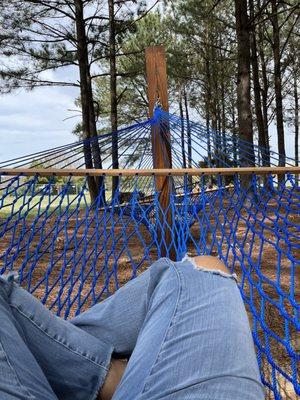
{"points": [[72, 252]]}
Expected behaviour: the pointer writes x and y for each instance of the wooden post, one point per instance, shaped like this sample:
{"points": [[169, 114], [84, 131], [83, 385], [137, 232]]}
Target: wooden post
{"points": [[156, 70]]}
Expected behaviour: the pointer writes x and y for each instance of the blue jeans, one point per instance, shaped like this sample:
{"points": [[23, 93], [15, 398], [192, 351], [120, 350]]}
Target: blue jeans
{"points": [[185, 329]]}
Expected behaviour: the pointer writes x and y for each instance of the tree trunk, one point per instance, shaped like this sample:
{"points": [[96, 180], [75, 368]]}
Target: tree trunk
{"points": [[214, 126], [207, 109], [278, 84], [223, 123], [234, 137], [296, 122], [220, 150], [265, 83], [247, 157], [91, 148], [189, 139], [182, 133], [207, 117], [113, 93], [263, 140], [265, 89], [213, 100]]}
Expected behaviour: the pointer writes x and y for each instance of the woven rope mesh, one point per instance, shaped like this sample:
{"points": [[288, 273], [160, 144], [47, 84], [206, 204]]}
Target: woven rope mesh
{"points": [[72, 252]]}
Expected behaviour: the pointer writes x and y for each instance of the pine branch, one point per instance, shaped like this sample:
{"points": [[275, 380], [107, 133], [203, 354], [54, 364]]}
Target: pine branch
{"points": [[50, 6], [289, 35], [139, 18]]}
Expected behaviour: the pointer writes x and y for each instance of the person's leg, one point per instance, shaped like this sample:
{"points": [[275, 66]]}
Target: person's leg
{"points": [[74, 363], [120, 318], [187, 330], [142, 316], [21, 378], [53, 341], [204, 350]]}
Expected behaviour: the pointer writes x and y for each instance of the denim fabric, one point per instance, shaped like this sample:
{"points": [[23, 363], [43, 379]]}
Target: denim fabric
{"points": [[187, 332], [44, 357], [185, 329], [17, 365]]}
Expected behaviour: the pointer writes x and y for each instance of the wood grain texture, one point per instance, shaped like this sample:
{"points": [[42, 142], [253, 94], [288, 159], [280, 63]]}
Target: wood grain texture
{"points": [[149, 172], [156, 71], [157, 81]]}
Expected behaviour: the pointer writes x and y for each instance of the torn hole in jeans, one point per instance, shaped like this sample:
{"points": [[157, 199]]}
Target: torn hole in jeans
{"points": [[205, 269]]}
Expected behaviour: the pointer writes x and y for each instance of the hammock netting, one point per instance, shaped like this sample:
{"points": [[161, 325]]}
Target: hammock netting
{"points": [[72, 252]]}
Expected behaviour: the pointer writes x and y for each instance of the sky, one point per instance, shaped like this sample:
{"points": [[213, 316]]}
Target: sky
{"points": [[40, 119], [36, 120]]}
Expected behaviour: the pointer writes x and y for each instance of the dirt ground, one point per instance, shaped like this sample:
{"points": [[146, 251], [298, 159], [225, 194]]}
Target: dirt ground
{"points": [[73, 262]]}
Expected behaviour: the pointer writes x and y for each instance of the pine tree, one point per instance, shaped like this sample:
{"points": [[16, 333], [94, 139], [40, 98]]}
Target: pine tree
{"points": [[47, 36]]}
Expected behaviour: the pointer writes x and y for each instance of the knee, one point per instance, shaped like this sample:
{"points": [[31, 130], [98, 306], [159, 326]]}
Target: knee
{"points": [[210, 262]]}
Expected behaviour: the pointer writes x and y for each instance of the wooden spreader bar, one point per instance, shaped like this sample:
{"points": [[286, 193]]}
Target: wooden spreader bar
{"points": [[148, 172]]}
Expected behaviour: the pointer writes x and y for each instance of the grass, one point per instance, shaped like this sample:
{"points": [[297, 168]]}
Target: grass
{"points": [[34, 205]]}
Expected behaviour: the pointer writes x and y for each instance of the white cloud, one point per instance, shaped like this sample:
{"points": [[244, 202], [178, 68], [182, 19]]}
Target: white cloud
{"points": [[34, 121]]}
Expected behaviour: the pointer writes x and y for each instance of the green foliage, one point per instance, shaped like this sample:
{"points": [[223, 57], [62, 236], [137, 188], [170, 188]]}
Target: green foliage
{"points": [[200, 41], [132, 86], [38, 36]]}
